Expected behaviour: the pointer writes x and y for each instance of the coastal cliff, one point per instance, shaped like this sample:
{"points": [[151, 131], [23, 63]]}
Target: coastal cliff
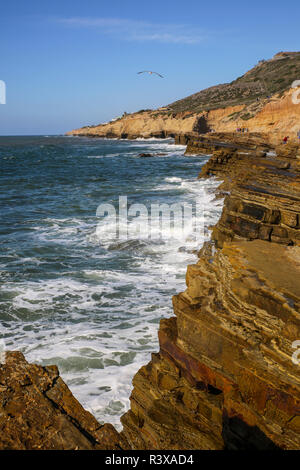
{"points": [[262, 100], [224, 376], [38, 411]]}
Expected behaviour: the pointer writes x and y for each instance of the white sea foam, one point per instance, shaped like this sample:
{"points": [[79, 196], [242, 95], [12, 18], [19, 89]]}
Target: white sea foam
{"points": [[99, 324]]}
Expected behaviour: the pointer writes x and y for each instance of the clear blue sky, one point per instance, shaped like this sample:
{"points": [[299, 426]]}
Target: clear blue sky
{"points": [[68, 63]]}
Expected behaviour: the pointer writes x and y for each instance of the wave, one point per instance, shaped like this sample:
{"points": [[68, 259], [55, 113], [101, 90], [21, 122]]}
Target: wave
{"points": [[81, 298]]}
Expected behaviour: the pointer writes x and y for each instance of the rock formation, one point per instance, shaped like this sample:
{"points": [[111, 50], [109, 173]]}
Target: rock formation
{"points": [[224, 376], [38, 411], [260, 101]]}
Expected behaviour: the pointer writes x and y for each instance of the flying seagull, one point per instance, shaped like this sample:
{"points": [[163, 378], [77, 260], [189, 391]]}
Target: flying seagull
{"points": [[150, 73]]}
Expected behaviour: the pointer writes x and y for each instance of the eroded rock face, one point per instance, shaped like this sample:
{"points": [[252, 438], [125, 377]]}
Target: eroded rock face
{"points": [[224, 376], [264, 200], [145, 124], [276, 117], [38, 411]]}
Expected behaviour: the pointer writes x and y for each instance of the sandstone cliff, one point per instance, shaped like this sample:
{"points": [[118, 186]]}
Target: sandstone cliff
{"points": [[260, 100], [144, 124], [277, 116]]}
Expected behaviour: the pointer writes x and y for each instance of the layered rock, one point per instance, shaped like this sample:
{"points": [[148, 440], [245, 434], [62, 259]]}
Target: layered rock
{"points": [[38, 411], [275, 118], [224, 376], [225, 141], [264, 200]]}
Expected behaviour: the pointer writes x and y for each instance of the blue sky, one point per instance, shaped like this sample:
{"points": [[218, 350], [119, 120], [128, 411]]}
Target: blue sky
{"points": [[70, 63]]}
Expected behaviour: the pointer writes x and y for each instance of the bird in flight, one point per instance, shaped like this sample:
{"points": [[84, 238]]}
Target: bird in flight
{"points": [[151, 73]]}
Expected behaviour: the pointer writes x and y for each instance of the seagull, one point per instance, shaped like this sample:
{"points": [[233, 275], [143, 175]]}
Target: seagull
{"points": [[151, 73]]}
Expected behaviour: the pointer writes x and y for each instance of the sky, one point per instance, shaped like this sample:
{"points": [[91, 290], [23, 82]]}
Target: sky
{"points": [[69, 63]]}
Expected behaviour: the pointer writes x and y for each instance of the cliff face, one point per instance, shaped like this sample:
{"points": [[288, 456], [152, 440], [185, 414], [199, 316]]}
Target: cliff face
{"points": [[275, 117], [38, 411], [278, 116], [224, 376], [267, 78], [260, 100]]}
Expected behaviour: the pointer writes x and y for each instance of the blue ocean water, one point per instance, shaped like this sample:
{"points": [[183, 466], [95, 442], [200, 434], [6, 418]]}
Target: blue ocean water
{"points": [[67, 297]]}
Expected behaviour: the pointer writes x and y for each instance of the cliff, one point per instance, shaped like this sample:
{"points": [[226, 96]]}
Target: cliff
{"points": [[142, 124], [225, 376], [267, 78], [260, 100]]}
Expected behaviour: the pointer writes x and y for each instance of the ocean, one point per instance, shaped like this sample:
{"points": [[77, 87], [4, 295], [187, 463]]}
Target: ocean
{"points": [[77, 297]]}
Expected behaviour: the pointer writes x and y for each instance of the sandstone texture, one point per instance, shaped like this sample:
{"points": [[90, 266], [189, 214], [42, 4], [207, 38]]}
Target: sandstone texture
{"points": [[224, 376], [38, 412], [264, 200]]}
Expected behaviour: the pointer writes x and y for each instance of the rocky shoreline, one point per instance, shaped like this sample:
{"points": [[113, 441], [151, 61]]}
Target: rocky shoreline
{"points": [[265, 100], [223, 377]]}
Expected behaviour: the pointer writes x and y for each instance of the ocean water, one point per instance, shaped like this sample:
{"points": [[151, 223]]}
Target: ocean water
{"points": [[68, 295]]}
